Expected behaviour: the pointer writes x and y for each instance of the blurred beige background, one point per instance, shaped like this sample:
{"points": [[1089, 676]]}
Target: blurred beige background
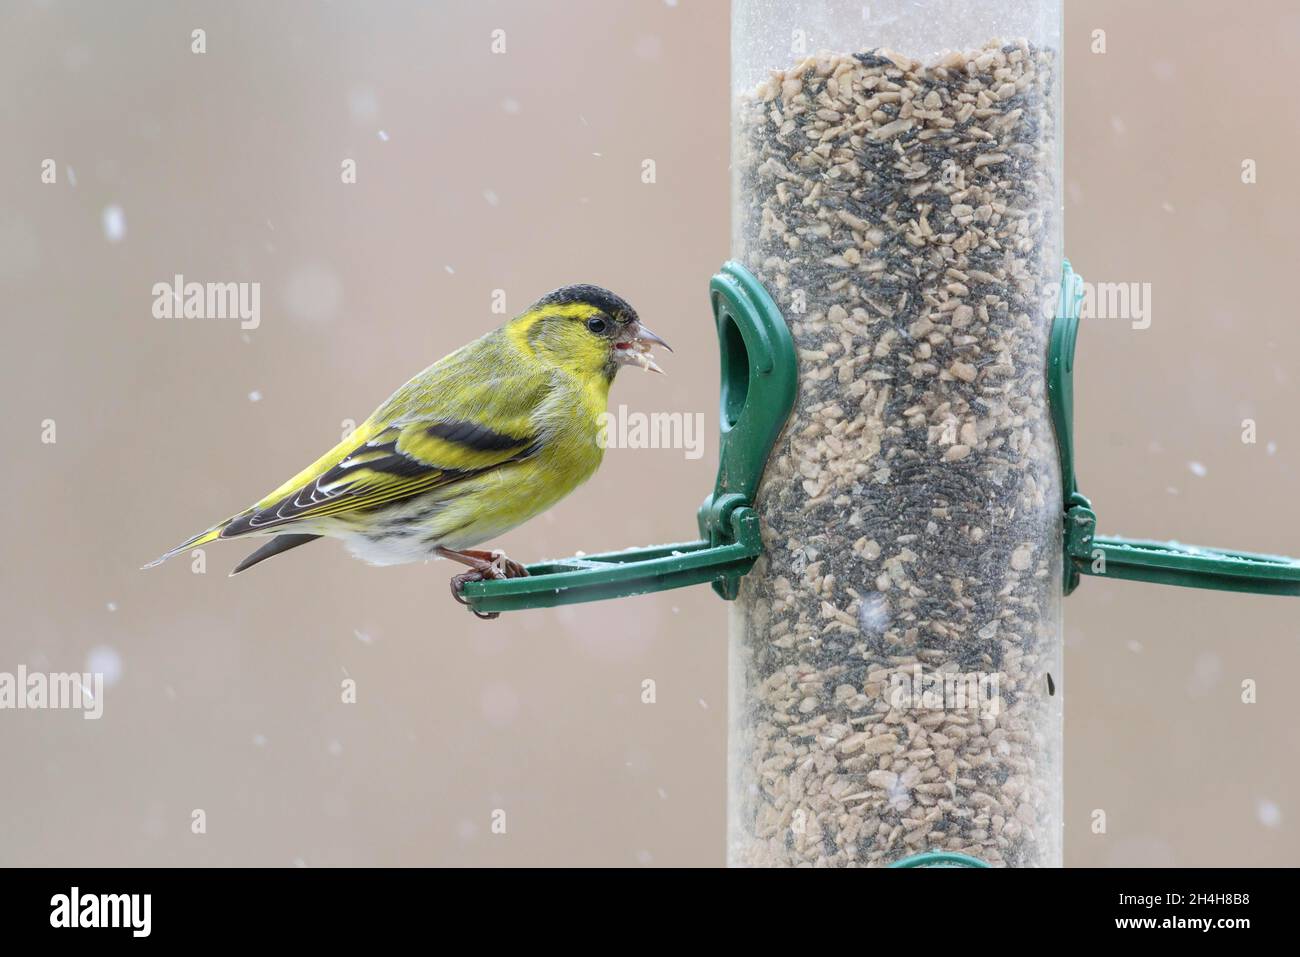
{"points": [[521, 172]]}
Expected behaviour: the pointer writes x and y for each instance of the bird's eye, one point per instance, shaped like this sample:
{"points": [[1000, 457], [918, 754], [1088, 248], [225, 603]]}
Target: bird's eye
{"points": [[597, 324]]}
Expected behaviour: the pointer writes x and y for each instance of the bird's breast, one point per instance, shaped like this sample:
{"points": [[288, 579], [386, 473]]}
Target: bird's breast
{"points": [[575, 426]]}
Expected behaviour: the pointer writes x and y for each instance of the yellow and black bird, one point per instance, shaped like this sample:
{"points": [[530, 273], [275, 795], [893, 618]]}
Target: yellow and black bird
{"points": [[481, 441]]}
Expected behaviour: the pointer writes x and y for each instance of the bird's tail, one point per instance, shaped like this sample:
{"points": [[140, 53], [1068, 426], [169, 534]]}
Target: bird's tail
{"points": [[203, 538], [281, 543]]}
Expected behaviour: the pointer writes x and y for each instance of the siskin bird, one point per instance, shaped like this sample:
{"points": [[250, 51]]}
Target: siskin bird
{"points": [[481, 441]]}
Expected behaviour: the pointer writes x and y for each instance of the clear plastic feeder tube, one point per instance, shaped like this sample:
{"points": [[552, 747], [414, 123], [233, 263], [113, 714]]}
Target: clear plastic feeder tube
{"points": [[896, 653]]}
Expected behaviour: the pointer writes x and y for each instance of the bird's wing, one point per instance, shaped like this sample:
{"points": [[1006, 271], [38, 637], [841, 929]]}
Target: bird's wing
{"points": [[400, 462], [468, 414]]}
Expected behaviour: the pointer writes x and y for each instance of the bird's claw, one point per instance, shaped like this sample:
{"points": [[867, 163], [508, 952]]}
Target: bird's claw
{"points": [[497, 568]]}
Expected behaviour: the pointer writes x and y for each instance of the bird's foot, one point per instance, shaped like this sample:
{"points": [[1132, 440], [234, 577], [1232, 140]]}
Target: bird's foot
{"points": [[493, 565], [472, 575], [508, 567]]}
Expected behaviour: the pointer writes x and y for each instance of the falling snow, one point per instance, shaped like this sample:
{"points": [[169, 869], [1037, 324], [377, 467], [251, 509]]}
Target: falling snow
{"points": [[1269, 814], [1206, 671], [105, 661], [363, 104], [873, 616], [313, 293], [114, 221], [899, 794]]}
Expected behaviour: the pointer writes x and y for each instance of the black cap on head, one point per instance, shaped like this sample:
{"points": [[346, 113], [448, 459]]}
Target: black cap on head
{"points": [[598, 296]]}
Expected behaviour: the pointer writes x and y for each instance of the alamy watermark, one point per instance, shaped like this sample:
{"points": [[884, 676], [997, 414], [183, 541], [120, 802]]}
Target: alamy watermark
{"points": [[652, 430], [946, 691], [1130, 301], [179, 299], [132, 912], [53, 691]]}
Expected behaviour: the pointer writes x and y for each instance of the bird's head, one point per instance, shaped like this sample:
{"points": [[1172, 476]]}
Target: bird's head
{"points": [[586, 330]]}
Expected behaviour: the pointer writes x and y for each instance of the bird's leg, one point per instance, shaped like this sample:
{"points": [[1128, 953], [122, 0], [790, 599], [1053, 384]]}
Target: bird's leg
{"points": [[491, 565], [479, 568]]}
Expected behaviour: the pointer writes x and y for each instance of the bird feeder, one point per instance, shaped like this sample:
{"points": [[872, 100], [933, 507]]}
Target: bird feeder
{"points": [[896, 516]]}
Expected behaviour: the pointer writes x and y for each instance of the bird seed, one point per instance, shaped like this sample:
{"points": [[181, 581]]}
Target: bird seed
{"points": [[890, 650]]}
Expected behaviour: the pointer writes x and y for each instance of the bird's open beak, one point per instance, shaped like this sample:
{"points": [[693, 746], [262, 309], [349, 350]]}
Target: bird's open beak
{"points": [[645, 335], [635, 350]]}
